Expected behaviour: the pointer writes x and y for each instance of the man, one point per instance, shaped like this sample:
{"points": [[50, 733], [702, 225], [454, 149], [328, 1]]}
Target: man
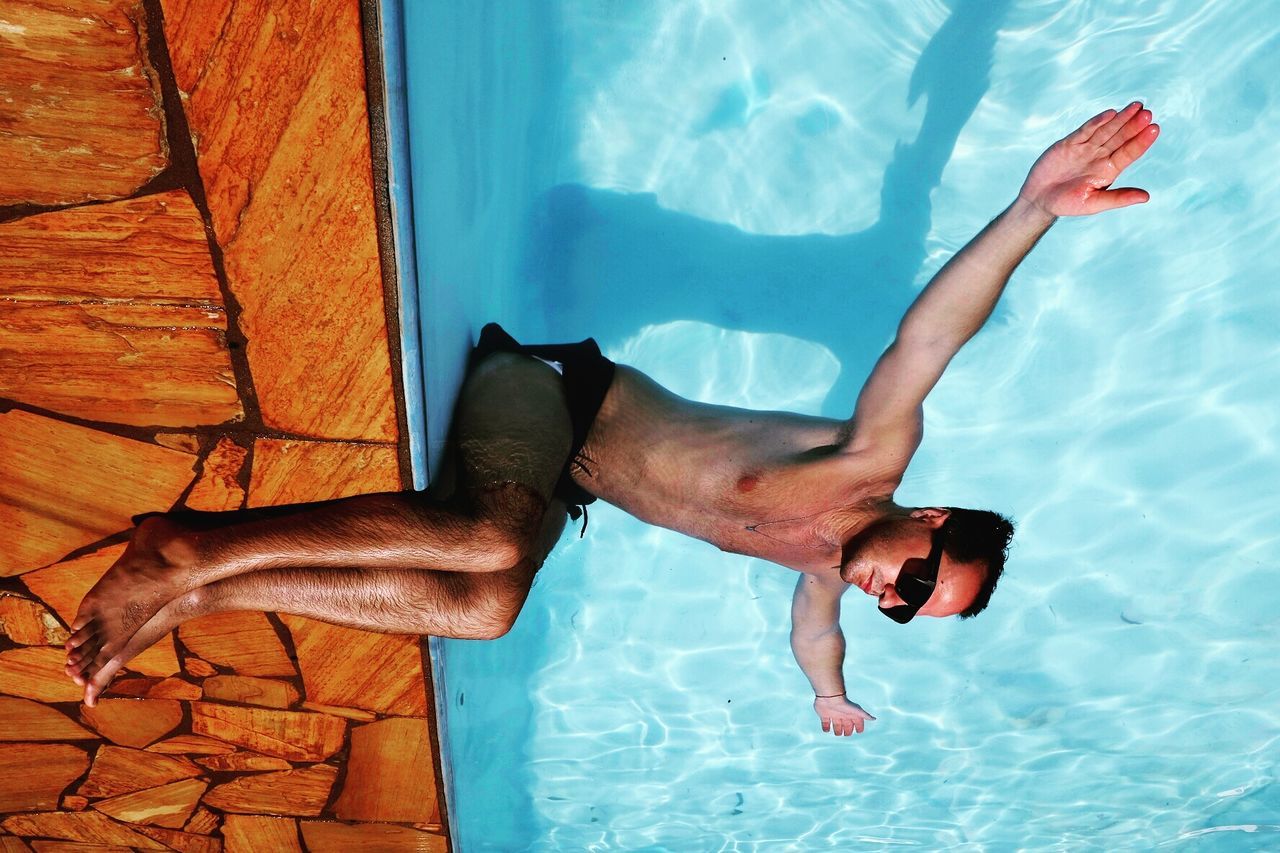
{"points": [[540, 429]]}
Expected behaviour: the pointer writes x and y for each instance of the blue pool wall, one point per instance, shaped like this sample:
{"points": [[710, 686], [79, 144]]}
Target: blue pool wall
{"points": [[483, 84]]}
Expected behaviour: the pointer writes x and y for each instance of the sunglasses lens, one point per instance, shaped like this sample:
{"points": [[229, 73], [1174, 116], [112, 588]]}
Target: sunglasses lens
{"points": [[902, 614], [913, 590]]}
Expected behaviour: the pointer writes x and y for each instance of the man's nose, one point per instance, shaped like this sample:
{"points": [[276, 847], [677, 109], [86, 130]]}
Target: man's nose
{"points": [[889, 597]]}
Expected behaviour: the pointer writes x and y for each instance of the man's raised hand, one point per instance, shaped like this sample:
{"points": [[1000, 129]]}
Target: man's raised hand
{"points": [[1073, 177], [840, 716]]}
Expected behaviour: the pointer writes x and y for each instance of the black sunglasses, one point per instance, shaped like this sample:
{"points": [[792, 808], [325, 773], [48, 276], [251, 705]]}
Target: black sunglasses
{"points": [[917, 580]]}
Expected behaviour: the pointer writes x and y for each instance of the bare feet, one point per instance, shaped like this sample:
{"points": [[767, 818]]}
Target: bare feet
{"points": [[97, 672], [154, 570]]}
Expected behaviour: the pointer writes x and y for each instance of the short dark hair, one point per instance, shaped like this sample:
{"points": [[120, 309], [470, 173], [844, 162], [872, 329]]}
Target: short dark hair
{"points": [[979, 535]]}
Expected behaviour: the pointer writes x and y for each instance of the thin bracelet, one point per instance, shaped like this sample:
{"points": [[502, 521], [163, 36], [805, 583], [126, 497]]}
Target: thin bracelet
{"points": [[832, 696]]}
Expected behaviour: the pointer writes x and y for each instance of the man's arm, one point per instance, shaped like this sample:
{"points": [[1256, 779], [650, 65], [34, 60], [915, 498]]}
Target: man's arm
{"points": [[818, 644], [1070, 179]]}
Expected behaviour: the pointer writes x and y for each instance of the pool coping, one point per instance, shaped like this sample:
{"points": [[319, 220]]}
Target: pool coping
{"points": [[385, 83]]}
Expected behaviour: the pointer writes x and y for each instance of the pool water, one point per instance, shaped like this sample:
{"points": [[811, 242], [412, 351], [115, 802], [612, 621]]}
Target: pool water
{"points": [[741, 199]]}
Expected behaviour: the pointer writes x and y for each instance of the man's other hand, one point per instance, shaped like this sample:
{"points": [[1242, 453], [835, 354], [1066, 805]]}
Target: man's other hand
{"points": [[1073, 177], [840, 716]]}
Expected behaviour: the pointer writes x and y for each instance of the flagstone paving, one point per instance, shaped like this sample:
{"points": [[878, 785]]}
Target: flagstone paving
{"points": [[79, 102], [194, 322], [275, 101], [112, 313]]}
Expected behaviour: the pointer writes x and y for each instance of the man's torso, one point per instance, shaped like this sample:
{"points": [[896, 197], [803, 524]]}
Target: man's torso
{"points": [[773, 485]]}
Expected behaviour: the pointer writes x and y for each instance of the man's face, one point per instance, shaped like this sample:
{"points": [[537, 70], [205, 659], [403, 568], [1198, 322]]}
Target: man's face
{"points": [[878, 554]]}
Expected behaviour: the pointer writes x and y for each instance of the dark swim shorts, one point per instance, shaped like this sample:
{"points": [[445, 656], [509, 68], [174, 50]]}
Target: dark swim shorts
{"points": [[587, 377]]}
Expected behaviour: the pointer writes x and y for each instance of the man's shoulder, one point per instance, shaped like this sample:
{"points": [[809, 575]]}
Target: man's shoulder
{"points": [[825, 579]]}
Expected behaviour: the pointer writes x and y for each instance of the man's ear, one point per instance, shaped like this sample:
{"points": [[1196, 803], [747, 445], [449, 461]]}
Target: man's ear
{"points": [[934, 515]]}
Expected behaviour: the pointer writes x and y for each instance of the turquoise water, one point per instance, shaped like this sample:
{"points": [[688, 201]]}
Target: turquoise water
{"points": [[741, 199]]}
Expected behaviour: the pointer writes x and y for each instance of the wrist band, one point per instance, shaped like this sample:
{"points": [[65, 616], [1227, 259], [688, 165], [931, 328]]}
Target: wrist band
{"points": [[832, 696]]}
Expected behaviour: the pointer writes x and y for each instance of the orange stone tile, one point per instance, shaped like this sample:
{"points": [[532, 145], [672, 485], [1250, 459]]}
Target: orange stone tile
{"points": [[33, 775], [198, 668], [250, 691], [389, 774], [133, 685], [117, 770], [184, 842], [301, 471], [328, 837], [347, 666], [89, 827], [79, 102], [112, 313], [184, 441], [123, 363], [149, 250], [292, 735], [63, 585], [29, 623], [218, 488], [191, 745], [175, 688], [240, 639], [301, 792], [75, 804], [37, 672], [339, 711], [132, 722], [167, 805], [202, 822], [244, 762], [25, 720], [64, 486], [277, 107], [253, 833]]}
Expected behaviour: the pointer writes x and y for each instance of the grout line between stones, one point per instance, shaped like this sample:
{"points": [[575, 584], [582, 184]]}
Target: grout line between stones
{"points": [[184, 172]]}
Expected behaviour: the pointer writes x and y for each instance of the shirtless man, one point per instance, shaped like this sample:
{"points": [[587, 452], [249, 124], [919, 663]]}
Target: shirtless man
{"points": [[811, 494]]}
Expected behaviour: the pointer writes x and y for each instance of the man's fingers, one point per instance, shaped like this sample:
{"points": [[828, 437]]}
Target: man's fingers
{"points": [[1130, 130], [1116, 126], [1089, 127], [1135, 147], [826, 725]]}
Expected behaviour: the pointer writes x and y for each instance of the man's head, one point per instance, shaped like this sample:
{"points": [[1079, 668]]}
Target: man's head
{"points": [[968, 548]]}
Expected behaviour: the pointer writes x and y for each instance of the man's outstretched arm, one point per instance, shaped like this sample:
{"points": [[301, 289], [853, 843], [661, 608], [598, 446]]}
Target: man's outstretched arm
{"points": [[1071, 178]]}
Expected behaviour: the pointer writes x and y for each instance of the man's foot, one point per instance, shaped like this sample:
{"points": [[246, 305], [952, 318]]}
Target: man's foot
{"points": [[98, 671], [154, 570]]}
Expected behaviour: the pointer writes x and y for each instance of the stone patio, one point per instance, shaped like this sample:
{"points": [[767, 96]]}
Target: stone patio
{"points": [[193, 313]]}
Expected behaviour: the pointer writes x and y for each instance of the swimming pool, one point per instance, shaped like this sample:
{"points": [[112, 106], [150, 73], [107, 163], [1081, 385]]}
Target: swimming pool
{"points": [[741, 199]]}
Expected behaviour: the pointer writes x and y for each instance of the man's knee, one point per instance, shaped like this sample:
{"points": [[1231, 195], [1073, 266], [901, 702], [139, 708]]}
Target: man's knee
{"points": [[498, 598]]}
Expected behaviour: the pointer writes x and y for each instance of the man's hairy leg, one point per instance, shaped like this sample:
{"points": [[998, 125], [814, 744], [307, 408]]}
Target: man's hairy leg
{"points": [[445, 604], [172, 554], [472, 604]]}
